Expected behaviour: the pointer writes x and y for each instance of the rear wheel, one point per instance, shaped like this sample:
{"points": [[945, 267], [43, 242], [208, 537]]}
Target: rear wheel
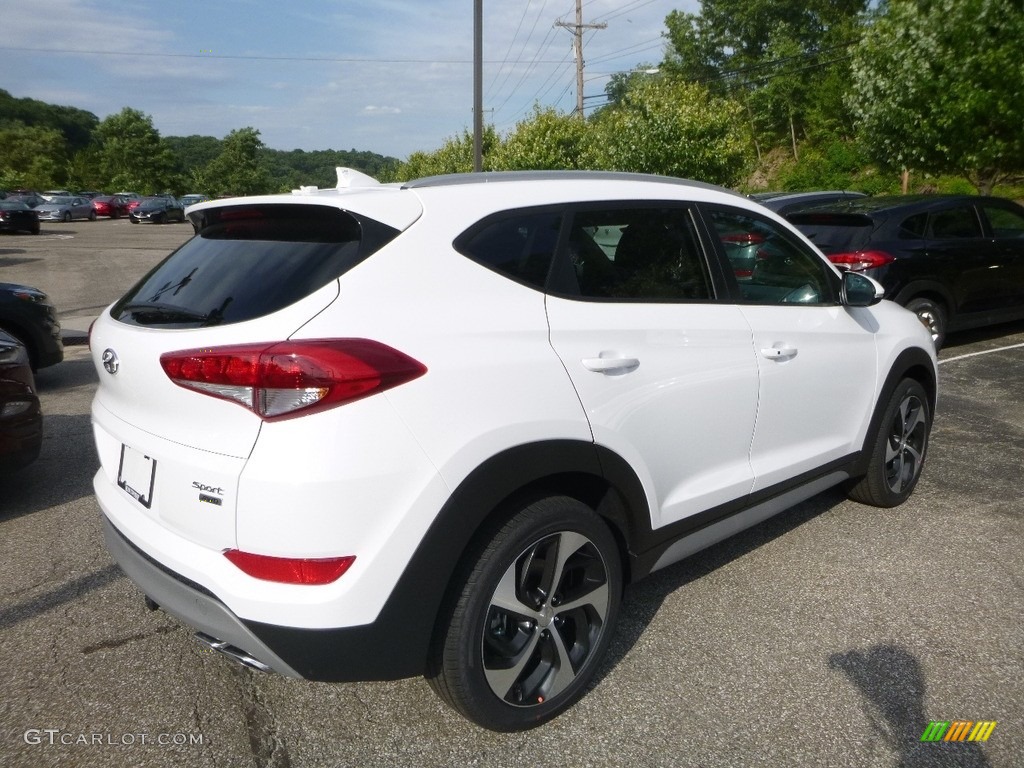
{"points": [[899, 448], [530, 617], [67, 217], [933, 315], [92, 215]]}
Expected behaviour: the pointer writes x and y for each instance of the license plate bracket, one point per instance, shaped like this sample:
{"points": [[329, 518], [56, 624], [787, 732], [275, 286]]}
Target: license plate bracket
{"points": [[136, 475]]}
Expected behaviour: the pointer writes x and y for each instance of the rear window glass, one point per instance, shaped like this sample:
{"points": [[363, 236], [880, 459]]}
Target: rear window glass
{"points": [[834, 232], [249, 261]]}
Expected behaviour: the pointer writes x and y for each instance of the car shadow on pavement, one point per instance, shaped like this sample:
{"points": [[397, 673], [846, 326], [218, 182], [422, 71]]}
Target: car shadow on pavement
{"points": [[891, 682], [66, 375], [963, 338], [643, 600], [62, 473], [62, 595]]}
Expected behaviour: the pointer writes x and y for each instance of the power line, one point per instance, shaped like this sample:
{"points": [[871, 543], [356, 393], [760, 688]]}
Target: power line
{"points": [[338, 59]]}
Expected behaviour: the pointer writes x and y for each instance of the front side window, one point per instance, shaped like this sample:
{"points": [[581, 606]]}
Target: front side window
{"points": [[771, 266], [638, 254]]}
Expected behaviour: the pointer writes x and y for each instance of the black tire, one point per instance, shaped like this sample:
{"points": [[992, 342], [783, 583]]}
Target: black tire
{"points": [[92, 215], [933, 315], [67, 217], [525, 629], [898, 450]]}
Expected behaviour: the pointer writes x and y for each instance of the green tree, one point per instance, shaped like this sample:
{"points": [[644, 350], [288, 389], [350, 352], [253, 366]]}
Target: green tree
{"points": [[775, 56], [31, 156], [238, 169], [672, 128], [454, 156], [132, 155], [938, 85], [547, 140]]}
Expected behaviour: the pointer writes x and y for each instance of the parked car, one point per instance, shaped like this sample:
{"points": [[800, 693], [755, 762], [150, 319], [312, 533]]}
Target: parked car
{"points": [[21, 420], [134, 199], [157, 210], [49, 194], [192, 199], [66, 208], [382, 431], [957, 261], [31, 199], [112, 206], [28, 314], [16, 216], [784, 203]]}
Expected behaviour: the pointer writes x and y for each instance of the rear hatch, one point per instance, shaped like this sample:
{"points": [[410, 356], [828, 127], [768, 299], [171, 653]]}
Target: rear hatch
{"points": [[256, 271], [834, 232]]}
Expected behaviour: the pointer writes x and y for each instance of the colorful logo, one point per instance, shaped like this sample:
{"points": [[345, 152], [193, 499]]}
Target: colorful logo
{"points": [[958, 730]]}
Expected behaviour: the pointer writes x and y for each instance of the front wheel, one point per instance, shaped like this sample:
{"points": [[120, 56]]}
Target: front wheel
{"points": [[898, 450], [529, 618]]}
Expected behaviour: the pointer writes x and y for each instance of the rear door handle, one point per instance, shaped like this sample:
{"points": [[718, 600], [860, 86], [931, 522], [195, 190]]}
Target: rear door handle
{"points": [[610, 364], [779, 353]]}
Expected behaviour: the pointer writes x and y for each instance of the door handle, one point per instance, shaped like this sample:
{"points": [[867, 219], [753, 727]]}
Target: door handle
{"points": [[610, 364], [779, 353]]}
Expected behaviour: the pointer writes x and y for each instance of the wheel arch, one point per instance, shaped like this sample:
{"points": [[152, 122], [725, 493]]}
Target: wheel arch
{"points": [[926, 289], [397, 643], [913, 363]]}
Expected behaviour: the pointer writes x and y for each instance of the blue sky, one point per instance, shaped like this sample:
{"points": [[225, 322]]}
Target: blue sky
{"points": [[386, 76]]}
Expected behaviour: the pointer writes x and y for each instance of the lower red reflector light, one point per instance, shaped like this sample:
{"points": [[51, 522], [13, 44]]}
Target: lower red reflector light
{"points": [[290, 570]]}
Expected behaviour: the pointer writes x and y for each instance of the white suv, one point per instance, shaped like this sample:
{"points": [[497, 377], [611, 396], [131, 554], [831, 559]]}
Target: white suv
{"points": [[383, 431]]}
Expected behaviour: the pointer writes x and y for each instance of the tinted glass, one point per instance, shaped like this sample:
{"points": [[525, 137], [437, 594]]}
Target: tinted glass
{"points": [[956, 223], [249, 261], [770, 266], [1004, 222], [638, 254], [519, 245], [834, 232]]}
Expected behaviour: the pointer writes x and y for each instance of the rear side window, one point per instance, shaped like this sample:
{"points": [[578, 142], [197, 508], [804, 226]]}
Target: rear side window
{"points": [[249, 261], [519, 244], [956, 223], [627, 253], [1004, 222]]}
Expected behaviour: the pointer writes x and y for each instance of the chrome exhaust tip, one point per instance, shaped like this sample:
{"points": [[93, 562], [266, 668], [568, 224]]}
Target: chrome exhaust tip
{"points": [[232, 652]]}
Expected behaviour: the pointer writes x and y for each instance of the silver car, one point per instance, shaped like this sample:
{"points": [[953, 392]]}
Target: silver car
{"points": [[66, 208]]}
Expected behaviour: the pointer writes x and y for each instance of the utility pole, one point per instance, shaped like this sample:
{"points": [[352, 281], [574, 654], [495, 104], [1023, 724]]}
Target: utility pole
{"points": [[577, 31], [478, 87]]}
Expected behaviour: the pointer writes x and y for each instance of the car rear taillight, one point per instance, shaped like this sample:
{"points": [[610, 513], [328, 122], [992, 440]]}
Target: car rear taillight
{"points": [[858, 261], [290, 570], [744, 239], [278, 380]]}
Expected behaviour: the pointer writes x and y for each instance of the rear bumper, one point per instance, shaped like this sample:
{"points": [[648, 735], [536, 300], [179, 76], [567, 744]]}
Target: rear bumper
{"points": [[187, 601], [370, 652]]}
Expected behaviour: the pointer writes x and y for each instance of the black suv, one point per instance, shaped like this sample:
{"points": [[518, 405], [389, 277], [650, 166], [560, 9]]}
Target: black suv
{"points": [[957, 261]]}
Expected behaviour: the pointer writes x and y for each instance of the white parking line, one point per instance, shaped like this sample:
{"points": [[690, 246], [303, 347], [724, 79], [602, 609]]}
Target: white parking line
{"points": [[983, 352]]}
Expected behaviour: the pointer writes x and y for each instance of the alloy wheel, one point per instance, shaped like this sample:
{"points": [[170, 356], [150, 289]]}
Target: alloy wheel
{"points": [[904, 453]]}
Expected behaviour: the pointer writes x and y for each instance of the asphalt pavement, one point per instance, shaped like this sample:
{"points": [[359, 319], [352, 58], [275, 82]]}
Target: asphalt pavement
{"points": [[829, 636]]}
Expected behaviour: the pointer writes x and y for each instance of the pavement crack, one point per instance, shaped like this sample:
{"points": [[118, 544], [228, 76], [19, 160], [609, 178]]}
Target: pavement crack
{"points": [[268, 747]]}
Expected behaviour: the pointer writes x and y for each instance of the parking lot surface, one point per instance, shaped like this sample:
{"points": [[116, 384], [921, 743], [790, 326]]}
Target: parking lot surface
{"points": [[829, 636]]}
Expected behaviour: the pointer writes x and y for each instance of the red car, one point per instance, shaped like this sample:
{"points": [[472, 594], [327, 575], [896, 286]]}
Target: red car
{"points": [[112, 206], [21, 420]]}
